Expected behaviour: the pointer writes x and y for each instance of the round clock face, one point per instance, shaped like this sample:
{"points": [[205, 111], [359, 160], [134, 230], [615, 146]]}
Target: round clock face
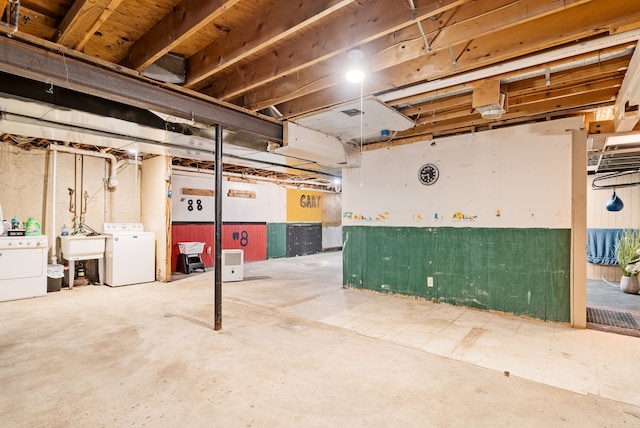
{"points": [[428, 174]]}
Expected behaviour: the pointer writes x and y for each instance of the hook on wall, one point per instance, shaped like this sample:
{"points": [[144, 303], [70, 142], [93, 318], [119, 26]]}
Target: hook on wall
{"points": [[615, 175]]}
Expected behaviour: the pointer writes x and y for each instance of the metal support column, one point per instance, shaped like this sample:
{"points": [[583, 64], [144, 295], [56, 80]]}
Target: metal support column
{"points": [[217, 325]]}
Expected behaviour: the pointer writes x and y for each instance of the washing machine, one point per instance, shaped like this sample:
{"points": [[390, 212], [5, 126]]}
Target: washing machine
{"points": [[130, 254]]}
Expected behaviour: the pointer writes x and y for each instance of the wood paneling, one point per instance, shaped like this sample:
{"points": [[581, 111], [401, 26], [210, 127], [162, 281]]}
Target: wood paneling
{"points": [[518, 271], [599, 217], [276, 240], [250, 237]]}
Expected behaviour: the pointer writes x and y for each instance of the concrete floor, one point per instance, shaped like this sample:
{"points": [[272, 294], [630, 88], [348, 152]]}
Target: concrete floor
{"points": [[601, 294], [297, 349], [608, 296]]}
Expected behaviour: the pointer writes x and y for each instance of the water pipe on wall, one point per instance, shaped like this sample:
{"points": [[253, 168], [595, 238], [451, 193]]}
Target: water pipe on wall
{"points": [[54, 255], [112, 181]]}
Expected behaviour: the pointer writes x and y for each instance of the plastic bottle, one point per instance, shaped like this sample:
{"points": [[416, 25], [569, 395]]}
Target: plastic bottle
{"points": [[65, 231], [32, 227]]}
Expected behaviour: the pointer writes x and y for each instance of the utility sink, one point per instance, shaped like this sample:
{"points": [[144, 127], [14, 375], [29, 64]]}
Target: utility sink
{"points": [[81, 247]]}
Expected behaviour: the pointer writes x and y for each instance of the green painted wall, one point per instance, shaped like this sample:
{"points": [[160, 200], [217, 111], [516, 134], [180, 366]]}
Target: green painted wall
{"points": [[520, 271], [276, 240]]}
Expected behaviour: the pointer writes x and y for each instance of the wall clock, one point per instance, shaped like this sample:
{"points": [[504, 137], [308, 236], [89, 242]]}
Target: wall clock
{"points": [[428, 174]]}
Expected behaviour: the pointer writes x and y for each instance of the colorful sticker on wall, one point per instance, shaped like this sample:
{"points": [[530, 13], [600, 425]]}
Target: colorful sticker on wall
{"points": [[349, 215], [460, 216]]}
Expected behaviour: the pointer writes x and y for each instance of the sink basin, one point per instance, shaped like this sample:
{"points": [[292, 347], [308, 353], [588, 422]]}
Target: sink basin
{"points": [[80, 247]]}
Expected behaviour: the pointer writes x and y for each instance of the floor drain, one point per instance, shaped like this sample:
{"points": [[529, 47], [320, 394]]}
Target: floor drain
{"points": [[612, 318]]}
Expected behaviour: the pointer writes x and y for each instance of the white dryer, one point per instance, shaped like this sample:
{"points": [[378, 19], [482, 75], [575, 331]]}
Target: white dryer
{"points": [[130, 254]]}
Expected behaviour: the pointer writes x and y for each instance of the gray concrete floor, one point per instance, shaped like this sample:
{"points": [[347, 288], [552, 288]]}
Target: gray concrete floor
{"points": [[608, 296], [601, 294], [297, 349]]}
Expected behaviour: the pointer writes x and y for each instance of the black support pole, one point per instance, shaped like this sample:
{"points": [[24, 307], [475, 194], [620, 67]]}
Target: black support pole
{"points": [[217, 324]]}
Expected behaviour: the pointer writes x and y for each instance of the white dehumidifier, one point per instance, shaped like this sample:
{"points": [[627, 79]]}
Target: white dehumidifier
{"points": [[232, 265]]}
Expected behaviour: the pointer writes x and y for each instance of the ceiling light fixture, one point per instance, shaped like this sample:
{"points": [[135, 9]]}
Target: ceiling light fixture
{"points": [[493, 111], [356, 72]]}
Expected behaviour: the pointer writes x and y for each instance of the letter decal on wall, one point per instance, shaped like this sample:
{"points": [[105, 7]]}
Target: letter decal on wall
{"points": [[304, 205]]}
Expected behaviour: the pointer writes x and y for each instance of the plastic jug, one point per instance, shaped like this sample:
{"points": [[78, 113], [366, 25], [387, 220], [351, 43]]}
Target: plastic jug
{"points": [[32, 227]]}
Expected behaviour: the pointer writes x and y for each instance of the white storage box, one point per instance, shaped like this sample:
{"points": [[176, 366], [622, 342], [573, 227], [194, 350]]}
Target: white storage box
{"points": [[191, 247]]}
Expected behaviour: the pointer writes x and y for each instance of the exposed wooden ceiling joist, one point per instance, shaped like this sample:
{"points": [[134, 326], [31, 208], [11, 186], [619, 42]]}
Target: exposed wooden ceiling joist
{"points": [[553, 58], [185, 20], [37, 64], [83, 20], [364, 24], [576, 23], [279, 22]]}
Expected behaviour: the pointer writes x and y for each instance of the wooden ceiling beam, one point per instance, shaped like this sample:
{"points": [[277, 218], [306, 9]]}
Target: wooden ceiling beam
{"points": [[553, 94], [303, 82], [445, 116], [481, 19], [36, 24], [278, 22], [626, 111], [185, 20], [431, 107], [585, 20], [610, 68], [364, 24], [452, 26], [593, 99], [83, 20], [526, 85], [465, 108], [585, 101], [576, 23]]}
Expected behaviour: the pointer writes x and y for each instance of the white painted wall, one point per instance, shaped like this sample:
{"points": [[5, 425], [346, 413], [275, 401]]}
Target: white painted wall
{"points": [[26, 183], [524, 172], [23, 182], [331, 237], [123, 202], [155, 209], [269, 205], [628, 217]]}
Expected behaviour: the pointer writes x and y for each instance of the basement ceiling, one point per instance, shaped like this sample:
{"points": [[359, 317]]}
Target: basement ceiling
{"points": [[436, 63]]}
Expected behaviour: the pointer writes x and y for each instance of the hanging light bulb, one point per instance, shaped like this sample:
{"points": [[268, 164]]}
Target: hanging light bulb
{"points": [[356, 73], [615, 203]]}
